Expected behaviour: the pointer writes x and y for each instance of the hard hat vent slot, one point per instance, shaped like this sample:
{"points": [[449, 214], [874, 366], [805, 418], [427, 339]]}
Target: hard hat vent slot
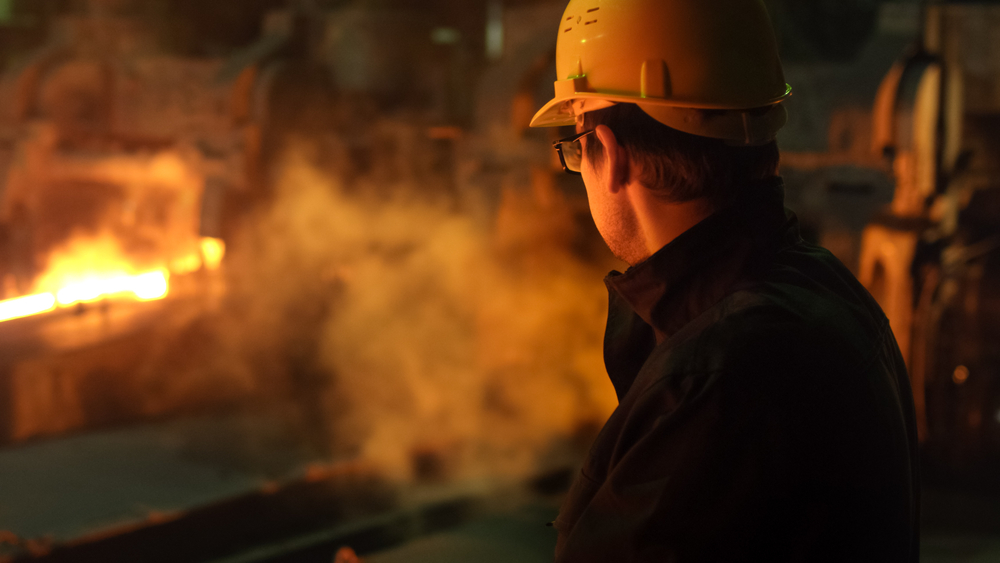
{"points": [[590, 22], [593, 10], [568, 29]]}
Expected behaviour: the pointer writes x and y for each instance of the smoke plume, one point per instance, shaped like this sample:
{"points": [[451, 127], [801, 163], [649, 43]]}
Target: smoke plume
{"points": [[433, 343]]}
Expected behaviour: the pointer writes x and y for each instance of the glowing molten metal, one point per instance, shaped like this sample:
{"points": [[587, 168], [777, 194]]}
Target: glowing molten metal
{"points": [[26, 306], [147, 286], [95, 269]]}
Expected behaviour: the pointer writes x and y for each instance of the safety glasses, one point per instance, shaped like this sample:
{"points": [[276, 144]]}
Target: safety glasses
{"points": [[570, 152]]}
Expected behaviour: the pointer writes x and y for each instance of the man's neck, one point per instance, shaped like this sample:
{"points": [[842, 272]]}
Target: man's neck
{"points": [[661, 221]]}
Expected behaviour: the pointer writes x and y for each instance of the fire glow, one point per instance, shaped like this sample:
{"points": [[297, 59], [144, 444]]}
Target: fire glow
{"points": [[147, 286], [26, 306], [94, 270]]}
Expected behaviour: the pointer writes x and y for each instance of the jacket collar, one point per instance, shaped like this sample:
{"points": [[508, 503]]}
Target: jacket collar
{"points": [[691, 274]]}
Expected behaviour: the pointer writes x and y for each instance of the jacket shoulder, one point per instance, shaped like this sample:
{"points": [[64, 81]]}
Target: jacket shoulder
{"points": [[805, 309]]}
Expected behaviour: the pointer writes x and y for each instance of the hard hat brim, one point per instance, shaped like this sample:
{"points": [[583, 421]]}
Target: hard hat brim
{"points": [[560, 111]]}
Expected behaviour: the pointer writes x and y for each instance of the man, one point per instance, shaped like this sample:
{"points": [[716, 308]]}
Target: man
{"points": [[764, 410]]}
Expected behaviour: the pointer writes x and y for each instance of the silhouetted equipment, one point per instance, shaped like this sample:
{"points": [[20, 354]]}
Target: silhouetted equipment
{"points": [[933, 258]]}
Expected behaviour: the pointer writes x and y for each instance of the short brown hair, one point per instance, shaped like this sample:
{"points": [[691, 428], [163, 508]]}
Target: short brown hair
{"points": [[680, 166]]}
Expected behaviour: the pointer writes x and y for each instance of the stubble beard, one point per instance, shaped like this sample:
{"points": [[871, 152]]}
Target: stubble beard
{"points": [[621, 232]]}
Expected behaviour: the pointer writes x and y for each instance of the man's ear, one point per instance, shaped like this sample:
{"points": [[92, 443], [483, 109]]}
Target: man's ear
{"points": [[616, 163]]}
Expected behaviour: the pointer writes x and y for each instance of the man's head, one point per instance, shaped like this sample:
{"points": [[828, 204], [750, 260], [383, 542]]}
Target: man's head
{"points": [[684, 101], [686, 85], [647, 183], [678, 166]]}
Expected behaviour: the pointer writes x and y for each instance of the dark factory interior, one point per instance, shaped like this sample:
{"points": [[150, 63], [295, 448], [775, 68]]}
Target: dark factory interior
{"points": [[283, 276]]}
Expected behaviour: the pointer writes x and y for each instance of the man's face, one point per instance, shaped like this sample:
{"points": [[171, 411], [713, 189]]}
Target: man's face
{"points": [[610, 205]]}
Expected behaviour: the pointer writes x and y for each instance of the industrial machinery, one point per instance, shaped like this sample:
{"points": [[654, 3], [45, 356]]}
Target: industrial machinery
{"points": [[931, 259], [127, 167], [119, 162]]}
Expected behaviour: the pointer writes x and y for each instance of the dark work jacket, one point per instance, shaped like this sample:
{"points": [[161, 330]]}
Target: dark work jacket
{"points": [[764, 409]]}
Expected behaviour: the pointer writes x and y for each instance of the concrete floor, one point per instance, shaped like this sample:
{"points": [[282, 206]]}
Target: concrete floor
{"points": [[93, 484]]}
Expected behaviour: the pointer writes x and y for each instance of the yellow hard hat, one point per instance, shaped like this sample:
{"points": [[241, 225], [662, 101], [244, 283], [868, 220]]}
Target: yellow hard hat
{"points": [[672, 58]]}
